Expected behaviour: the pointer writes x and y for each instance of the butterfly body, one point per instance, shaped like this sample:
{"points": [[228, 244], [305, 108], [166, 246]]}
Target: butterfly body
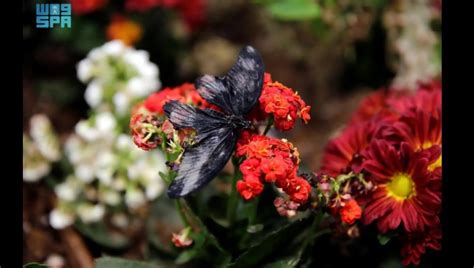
{"points": [[238, 122], [217, 132]]}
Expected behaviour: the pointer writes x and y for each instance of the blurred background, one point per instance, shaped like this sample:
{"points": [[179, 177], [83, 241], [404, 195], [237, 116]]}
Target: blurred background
{"points": [[332, 52]]}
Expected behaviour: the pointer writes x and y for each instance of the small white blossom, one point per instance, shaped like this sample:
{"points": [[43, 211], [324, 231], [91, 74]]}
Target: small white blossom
{"points": [[68, 190], [35, 165], [96, 54], [121, 103], [124, 142], [35, 172], [114, 48], [94, 94], [134, 198], [154, 189], [89, 213], [109, 196], [55, 261], [84, 70], [119, 183], [44, 137], [59, 219], [84, 172], [105, 166], [105, 123], [86, 131]]}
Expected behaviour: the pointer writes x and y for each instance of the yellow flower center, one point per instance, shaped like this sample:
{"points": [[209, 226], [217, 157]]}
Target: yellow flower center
{"points": [[436, 164], [401, 186], [426, 145]]}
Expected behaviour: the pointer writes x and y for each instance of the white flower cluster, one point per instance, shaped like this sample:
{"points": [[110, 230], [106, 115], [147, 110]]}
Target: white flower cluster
{"points": [[109, 171], [109, 175], [40, 149], [413, 42], [117, 76]]}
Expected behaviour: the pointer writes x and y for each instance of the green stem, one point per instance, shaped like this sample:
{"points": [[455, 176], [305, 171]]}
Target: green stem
{"points": [[253, 213], [314, 232], [233, 198], [163, 147], [181, 212], [269, 126]]}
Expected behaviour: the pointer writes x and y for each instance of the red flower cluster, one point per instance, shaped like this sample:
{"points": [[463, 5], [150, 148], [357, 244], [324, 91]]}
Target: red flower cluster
{"points": [[270, 160], [192, 11], [148, 123], [284, 104], [185, 93], [80, 7], [395, 140]]}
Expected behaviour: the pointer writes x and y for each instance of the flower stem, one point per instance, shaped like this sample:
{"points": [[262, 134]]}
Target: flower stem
{"points": [[314, 232], [163, 147], [181, 212], [253, 213], [233, 198], [269, 126]]}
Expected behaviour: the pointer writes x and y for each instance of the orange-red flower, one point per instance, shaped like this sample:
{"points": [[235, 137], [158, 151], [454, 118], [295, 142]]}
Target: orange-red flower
{"points": [[275, 168], [350, 212], [250, 167], [284, 104], [298, 189], [250, 187], [407, 193], [270, 160], [124, 29]]}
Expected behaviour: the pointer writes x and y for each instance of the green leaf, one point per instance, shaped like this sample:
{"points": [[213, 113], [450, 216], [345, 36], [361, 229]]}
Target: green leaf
{"points": [[294, 10], [284, 263], [384, 238], [219, 255], [35, 265], [98, 233], [110, 262], [267, 245]]}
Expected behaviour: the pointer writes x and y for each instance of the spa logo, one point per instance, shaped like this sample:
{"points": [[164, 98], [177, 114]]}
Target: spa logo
{"points": [[51, 15]]}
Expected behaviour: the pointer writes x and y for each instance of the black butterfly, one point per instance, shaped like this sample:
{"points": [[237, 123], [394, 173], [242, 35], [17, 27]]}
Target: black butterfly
{"points": [[235, 93]]}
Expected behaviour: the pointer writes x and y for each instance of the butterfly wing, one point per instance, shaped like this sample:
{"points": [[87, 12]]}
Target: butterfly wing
{"points": [[202, 163], [186, 116], [214, 145], [239, 90]]}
